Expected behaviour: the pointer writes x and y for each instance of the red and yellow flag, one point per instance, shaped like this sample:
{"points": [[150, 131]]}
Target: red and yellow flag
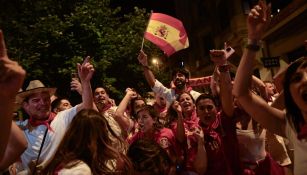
{"points": [[167, 33]]}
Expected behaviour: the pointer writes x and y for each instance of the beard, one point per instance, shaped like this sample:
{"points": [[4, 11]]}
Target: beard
{"points": [[180, 84]]}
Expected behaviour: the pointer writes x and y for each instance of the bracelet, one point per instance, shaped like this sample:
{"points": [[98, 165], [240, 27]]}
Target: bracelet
{"points": [[253, 47], [224, 68], [253, 42]]}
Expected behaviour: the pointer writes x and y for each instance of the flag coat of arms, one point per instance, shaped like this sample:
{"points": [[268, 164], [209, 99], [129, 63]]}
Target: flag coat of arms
{"points": [[167, 33]]}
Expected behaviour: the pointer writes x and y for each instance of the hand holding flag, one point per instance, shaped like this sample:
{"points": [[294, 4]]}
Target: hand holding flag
{"points": [[143, 58]]}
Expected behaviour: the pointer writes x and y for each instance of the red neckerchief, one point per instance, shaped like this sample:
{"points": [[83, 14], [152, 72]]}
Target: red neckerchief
{"points": [[303, 133], [34, 123], [192, 122], [188, 89], [58, 169], [106, 107], [210, 130]]}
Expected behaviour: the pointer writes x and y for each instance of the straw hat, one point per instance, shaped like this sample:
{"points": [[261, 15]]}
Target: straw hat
{"points": [[35, 86]]}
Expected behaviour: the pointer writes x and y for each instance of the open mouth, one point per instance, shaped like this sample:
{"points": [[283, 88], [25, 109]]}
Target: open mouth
{"points": [[178, 82], [208, 117], [186, 105]]}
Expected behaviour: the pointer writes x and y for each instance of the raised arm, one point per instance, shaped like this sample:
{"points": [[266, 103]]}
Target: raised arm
{"points": [[219, 57], [259, 84], [201, 160], [269, 117], [75, 85], [180, 131], [85, 72], [123, 121], [150, 78], [17, 144], [11, 80]]}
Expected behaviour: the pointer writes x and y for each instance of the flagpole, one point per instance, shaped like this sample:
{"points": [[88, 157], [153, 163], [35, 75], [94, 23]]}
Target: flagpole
{"points": [[142, 46], [142, 43]]}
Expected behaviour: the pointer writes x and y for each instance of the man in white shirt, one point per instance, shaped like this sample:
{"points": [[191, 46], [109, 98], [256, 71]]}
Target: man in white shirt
{"points": [[180, 78], [36, 103]]}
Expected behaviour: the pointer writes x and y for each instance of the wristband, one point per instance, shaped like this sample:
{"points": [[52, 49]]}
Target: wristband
{"points": [[253, 47], [224, 68], [253, 42]]}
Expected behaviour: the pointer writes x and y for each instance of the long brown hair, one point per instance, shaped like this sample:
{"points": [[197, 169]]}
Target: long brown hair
{"points": [[294, 113], [88, 140]]}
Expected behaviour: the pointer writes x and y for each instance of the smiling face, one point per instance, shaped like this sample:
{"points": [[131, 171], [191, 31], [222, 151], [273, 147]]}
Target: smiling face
{"points": [[186, 102], [145, 121], [298, 87], [180, 80], [101, 97], [38, 105], [206, 111]]}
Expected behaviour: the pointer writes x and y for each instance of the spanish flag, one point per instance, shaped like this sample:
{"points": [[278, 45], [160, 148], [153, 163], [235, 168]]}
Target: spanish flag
{"points": [[167, 33]]}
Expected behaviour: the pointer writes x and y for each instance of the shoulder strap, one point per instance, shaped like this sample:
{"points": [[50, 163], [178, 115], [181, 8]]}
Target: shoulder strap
{"points": [[39, 153]]}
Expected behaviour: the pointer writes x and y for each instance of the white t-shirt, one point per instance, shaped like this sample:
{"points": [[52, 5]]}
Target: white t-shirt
{"points": [[251, 145], [169, 93], [80, 169], [53, 138], [300, 150]]}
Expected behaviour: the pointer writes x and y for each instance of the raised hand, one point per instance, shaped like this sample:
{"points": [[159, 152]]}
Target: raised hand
{"points": [[11, 73], [258, 20], [143, 58], [199, 134], [219, 57], [75, 85], [86, 70], [176, 106], [131, 93]]}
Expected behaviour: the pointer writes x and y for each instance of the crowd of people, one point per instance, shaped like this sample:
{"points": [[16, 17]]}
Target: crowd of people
{"points": [[245, 127]]}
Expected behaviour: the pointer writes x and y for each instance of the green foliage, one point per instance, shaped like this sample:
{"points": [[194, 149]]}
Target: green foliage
{"points": [[48, 38]]}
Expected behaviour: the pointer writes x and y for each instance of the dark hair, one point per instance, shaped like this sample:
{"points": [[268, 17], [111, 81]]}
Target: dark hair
{"points": [[105, 89], [148, 157], [56, 103], [184, 71], [294, 114], [132, 112], [206, 96], [88, 139], [154, 115], [171, 114]]}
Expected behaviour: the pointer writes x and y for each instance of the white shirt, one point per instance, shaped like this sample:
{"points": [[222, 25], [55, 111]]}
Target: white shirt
{"points": [[169, 93], [251, 145], [53, 138], [80, 169], [300, 150]]}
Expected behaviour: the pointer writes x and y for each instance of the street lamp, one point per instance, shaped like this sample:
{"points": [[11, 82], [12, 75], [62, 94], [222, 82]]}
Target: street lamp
{"points": [[155, 62]]}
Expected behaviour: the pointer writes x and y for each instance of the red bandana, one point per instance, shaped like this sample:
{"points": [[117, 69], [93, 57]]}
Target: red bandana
{"points": [[106, 107], [34, 123], [192, 122]]}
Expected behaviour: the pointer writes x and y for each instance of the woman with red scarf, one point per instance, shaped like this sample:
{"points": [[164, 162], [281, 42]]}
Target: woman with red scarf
{"points": [[184, 123]]}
